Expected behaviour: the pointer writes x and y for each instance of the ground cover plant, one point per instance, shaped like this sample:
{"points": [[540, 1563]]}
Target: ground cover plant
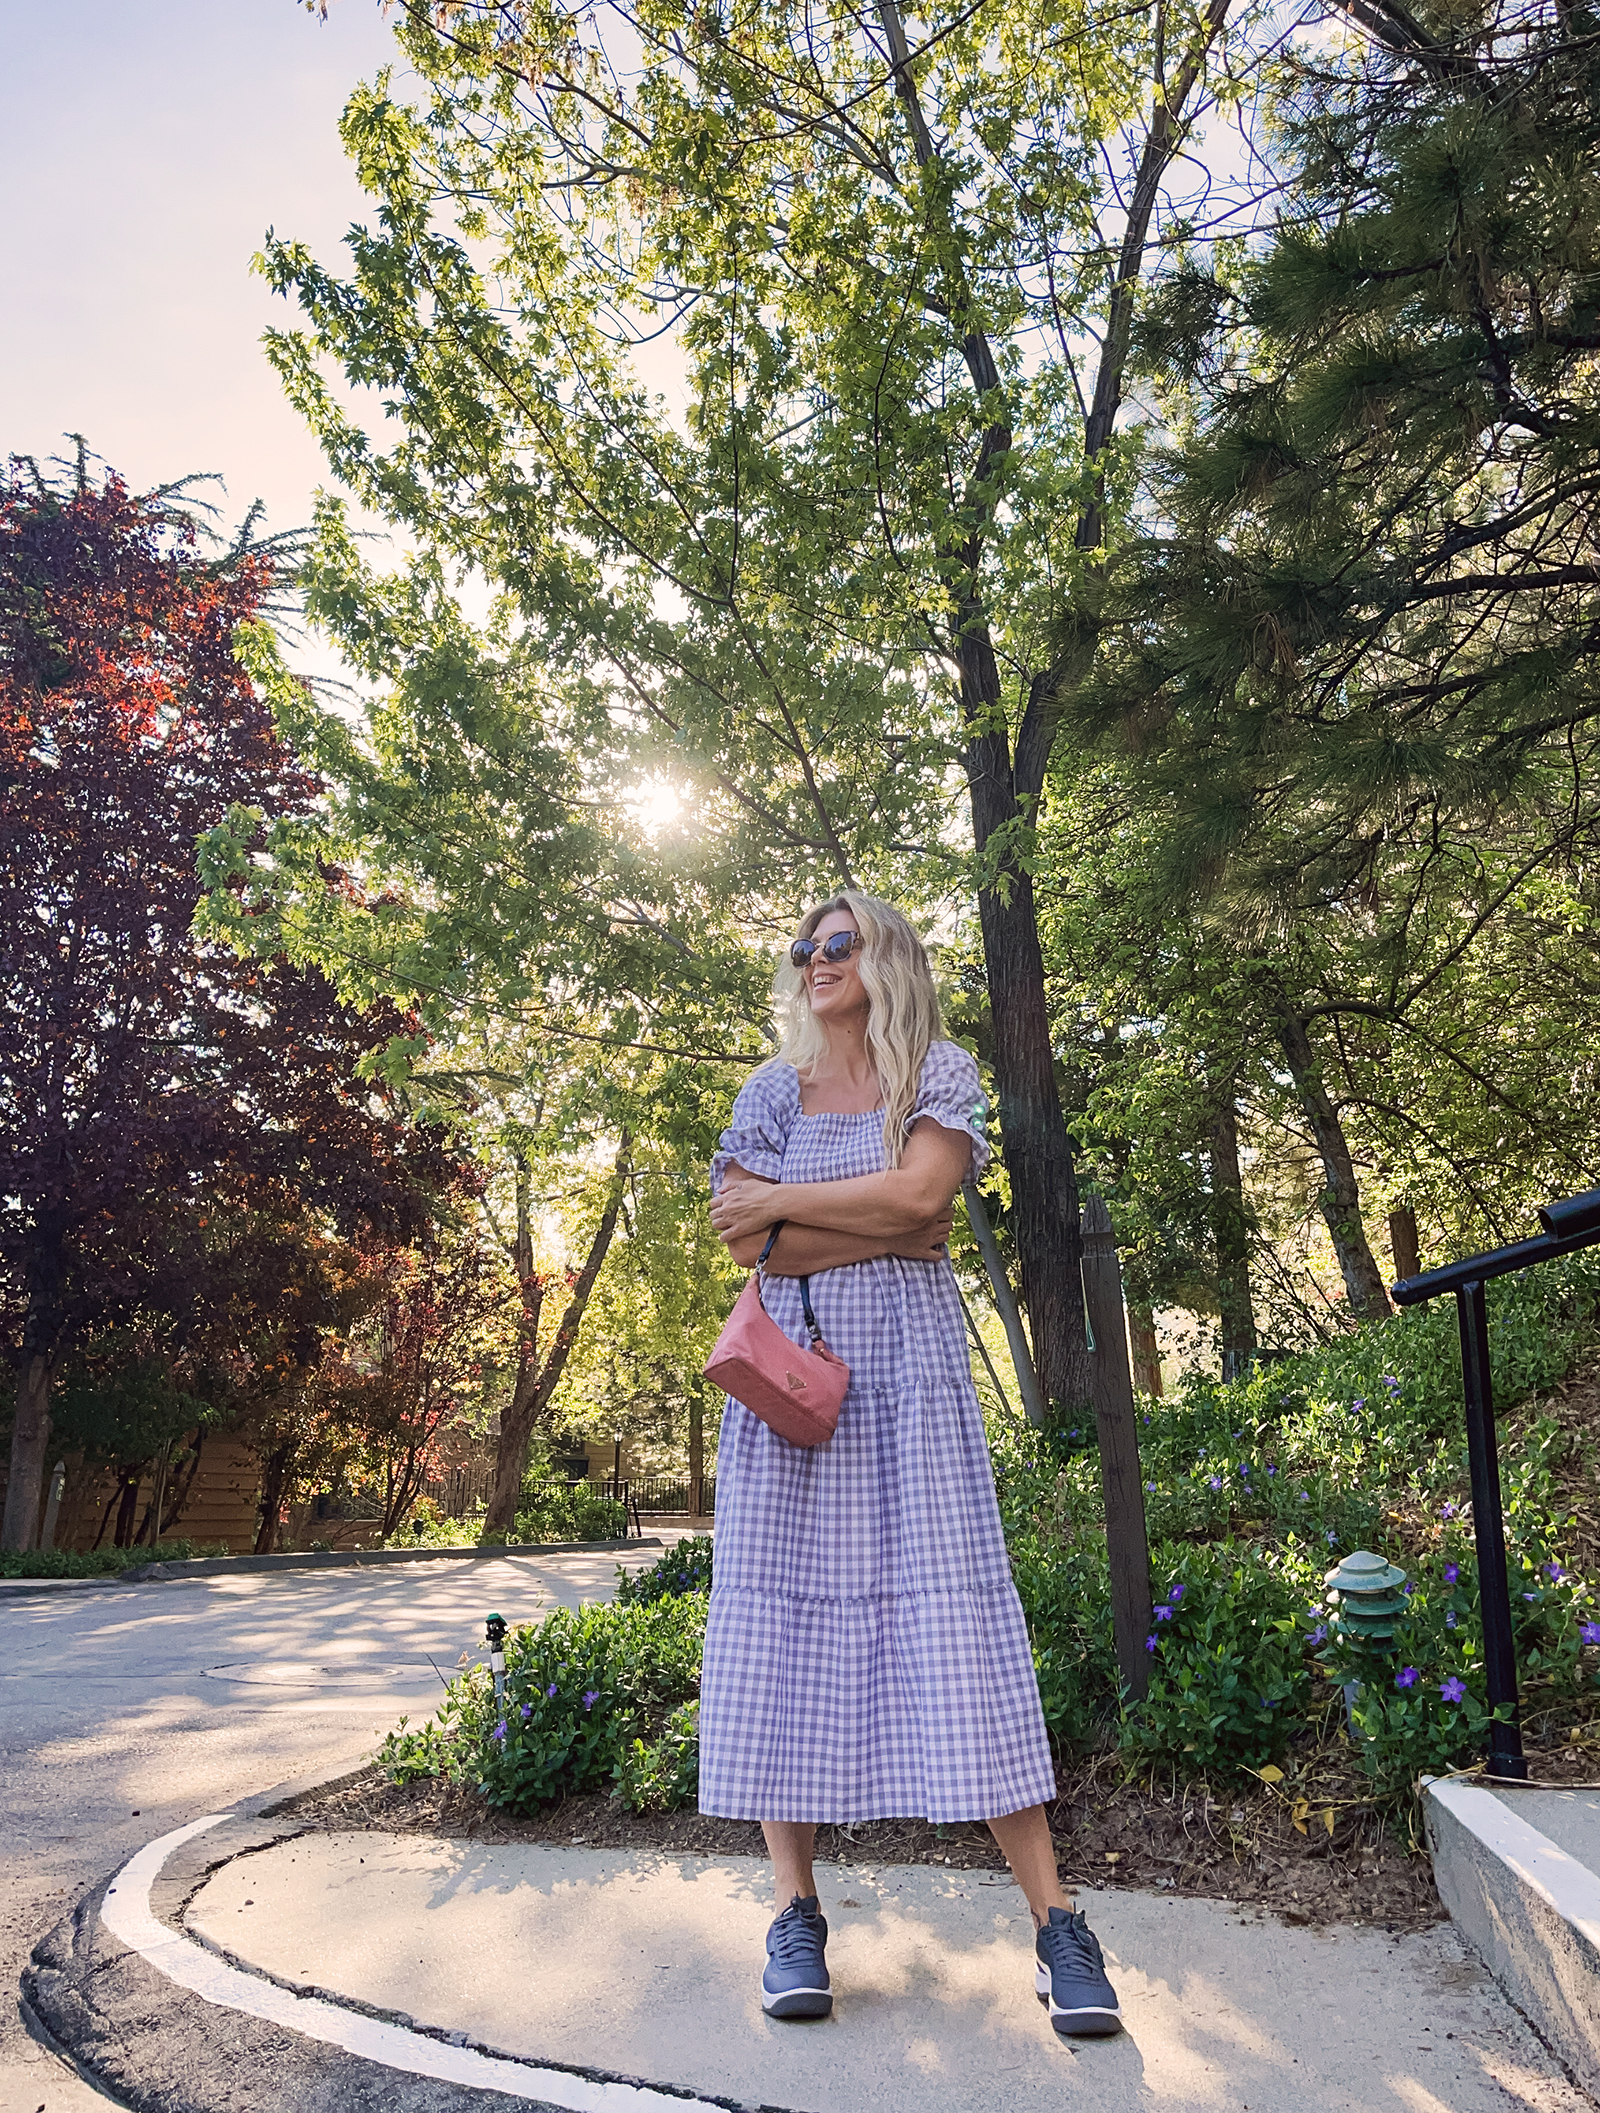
{"points": [[98, 1562], [1255, 1489]]}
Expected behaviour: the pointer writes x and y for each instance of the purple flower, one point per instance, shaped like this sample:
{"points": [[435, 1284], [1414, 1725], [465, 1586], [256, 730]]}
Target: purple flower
{"points": [[591, 1696], [1244, 1473], [1453, 1690], [1451, 1572], [1150, 1642], [1215, 1481], [1319, 1634], [1147, 1419], [1448, 1511], [1450, 1619], [1360, 1402], [499, 1731], [1177, 1593], [1554, 1572], [1304, 1498], [1408, 1588], [527, 1711], [1530, 1595], [1272, 1467], [1406, 1677], [550, 1690], [1391, 1382], [1333, 1538], [1162, 1613], [1590, 1632], [1150, 1487]]}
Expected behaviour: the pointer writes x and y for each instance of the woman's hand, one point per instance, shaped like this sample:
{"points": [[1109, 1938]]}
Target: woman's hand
{"points": [[927, 1242], [743, 1207]]}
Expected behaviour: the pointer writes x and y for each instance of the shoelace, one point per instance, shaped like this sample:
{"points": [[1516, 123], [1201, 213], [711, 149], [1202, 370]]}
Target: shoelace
{"points": [[795, 1938], [1073, 1938]]}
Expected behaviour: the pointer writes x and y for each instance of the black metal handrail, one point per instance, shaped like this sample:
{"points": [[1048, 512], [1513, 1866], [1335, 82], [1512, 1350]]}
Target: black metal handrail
{"points": [[1570, 1225]]}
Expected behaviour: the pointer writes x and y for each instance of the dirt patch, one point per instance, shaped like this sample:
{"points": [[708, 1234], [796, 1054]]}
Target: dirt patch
{"points": [[1239, 1846]]}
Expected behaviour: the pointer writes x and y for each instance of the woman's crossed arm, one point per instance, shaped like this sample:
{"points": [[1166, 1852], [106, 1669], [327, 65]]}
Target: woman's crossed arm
{"points": [[883, 1208]]}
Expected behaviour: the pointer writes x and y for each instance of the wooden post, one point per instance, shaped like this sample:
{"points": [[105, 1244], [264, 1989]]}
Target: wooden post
{"points": [[1127, 1541]]}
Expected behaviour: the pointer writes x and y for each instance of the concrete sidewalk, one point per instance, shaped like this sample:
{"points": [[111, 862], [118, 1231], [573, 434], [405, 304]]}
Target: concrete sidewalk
{"points": [[646, 1965]]}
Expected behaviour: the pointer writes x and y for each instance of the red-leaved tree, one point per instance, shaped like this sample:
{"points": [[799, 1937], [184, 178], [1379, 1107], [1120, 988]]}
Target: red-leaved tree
{"points": [[158, 1096]]}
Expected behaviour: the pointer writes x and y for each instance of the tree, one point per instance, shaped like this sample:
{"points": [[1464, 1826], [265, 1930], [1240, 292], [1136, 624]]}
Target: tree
{"points": [[157, 1094], [1367, 604], [862, 568]]}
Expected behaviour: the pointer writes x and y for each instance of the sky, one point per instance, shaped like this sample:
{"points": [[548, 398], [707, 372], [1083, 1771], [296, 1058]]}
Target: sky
{"points": [[147, 147]]}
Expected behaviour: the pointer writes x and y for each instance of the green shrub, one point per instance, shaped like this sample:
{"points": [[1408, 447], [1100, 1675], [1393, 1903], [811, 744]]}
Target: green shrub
{"points": [[572, 1512], [686, 1568], [100, 1562], [663, 1775], [581, 1689], [1229, 1681]]}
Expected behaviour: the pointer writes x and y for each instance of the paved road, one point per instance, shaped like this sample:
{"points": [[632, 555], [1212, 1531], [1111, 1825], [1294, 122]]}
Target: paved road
{"points": [[127, 1711]]}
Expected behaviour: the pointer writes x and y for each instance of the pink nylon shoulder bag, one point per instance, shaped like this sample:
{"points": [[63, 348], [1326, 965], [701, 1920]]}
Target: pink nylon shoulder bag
{"points": [[796, 1391]]}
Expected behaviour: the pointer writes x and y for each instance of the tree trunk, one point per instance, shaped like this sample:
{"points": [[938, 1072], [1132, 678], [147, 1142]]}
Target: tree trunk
{"points": [[697, 1447], [127, 1510], [1341, 1195], [181, 1487], [1404, 1243], [30, 1448], [1027, 1377], [1146, 1350], [1230, 1231], [274, 1481], [1127, 1537], [1033, 1131], [536, 1382]]}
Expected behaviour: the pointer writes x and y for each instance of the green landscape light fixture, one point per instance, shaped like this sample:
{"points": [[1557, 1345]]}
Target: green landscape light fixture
{"points": [[1365, 1594], [494, 1630]]}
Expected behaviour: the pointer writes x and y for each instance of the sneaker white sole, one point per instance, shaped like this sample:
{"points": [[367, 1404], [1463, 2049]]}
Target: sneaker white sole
{"points": [[1091, 2020], [798, 2003]]}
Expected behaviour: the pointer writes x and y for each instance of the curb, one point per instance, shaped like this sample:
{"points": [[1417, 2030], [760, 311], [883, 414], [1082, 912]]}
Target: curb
{"points": [[168, 2025], [1530, 1911], [320, 1559]]}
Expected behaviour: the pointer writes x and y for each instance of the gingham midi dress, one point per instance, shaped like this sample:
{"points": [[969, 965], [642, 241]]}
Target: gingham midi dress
{"points": [[866, 1655]]}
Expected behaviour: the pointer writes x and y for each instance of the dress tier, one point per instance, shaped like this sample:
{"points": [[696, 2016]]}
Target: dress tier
{"points": [[866, 1655]]}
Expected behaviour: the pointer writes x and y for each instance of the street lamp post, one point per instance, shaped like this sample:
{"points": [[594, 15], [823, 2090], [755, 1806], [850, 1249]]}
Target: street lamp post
{"points": [[1569, 1225]]}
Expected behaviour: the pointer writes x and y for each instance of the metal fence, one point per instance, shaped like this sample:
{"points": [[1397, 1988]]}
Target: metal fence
{"points": [[461, 1491], [665, 1493], [464, 1491]]}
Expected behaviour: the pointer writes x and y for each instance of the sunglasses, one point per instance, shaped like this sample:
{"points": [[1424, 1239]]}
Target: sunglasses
{"points": [[836, 949]]}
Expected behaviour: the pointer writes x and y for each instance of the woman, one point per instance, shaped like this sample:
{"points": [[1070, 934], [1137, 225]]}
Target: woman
{"points": [[866, 1656]]}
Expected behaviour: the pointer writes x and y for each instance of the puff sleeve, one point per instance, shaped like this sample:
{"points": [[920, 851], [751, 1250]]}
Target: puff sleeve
{"points": [[950, 1092], [767, 1103]]}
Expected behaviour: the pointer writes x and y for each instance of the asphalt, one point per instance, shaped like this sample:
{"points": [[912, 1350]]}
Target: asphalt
{"points": [[128, 1710]]}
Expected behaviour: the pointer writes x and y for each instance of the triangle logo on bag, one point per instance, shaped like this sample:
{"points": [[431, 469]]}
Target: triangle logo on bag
{"points": [[796, 1384]]}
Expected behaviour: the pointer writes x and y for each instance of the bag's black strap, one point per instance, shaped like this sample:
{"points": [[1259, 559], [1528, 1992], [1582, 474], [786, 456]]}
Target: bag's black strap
{"points": [[812, 1329]]}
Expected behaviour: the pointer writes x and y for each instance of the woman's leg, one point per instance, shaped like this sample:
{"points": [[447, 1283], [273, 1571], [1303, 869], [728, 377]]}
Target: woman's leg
{"points": [[790, 1844], [1024, 1839]]}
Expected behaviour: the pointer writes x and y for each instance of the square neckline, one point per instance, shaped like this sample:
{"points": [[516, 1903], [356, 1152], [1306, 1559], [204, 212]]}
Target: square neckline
{"points": [[837, 1115]]}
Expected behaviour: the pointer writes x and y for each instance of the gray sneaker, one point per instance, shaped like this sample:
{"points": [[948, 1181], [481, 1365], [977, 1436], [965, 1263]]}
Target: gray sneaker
{"points": [[795, 1984], [1070, 1976]]}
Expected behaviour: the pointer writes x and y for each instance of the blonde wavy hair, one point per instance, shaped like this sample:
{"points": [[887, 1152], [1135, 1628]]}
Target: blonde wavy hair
{"points": [[904, 1017]]}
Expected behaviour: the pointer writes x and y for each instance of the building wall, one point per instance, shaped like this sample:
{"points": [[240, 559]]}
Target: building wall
{"points": [[221, 1508]]}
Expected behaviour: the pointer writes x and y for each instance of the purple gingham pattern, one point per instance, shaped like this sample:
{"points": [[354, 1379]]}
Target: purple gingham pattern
{"points": [[866, 1655]]}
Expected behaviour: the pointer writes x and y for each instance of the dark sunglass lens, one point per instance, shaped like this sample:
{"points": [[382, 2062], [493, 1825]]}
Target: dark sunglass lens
{"points": [[801, 952], [839, 947]]}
